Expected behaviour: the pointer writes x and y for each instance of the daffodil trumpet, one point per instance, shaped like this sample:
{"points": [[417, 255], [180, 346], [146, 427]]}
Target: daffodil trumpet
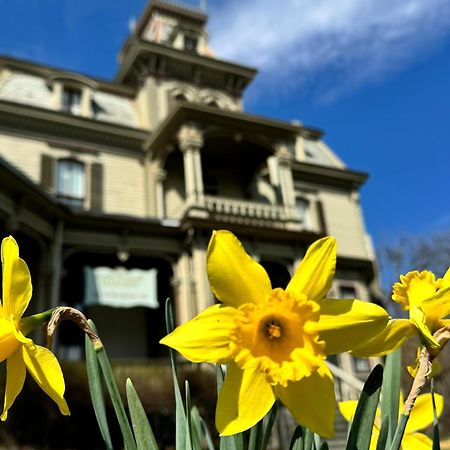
{"points": [[274, 341], [19, 351]]}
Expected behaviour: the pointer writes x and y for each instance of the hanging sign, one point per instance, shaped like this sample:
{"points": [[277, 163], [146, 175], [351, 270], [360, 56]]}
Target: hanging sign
{"points": [[119, 287]]}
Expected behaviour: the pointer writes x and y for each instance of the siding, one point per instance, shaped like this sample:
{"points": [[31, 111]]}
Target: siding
{"points": [[123, 175], [124, 185], [344, 222]]}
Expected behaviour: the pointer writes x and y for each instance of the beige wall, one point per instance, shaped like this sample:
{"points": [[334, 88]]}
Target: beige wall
{"points": [[123, 190], [344, 221]]}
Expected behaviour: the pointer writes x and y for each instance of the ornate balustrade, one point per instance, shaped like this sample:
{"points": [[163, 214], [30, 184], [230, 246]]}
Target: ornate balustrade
{"points": [[245, 208]]}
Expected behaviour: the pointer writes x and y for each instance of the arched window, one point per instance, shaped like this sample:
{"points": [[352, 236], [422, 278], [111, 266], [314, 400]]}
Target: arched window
{"points": [[71, 181]]}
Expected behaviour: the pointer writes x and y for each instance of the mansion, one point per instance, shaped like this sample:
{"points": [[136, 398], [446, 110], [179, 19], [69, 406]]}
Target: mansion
{"points": [[115, 186]]}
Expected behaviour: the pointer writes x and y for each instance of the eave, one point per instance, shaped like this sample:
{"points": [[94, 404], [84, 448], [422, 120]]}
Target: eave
{"points": [[41, 121], [329, 176], [235, 121], [47, 72], [157, 59]]}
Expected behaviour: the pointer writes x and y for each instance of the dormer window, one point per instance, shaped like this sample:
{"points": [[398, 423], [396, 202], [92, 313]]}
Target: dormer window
{"points": [[190, 44], [71, 182], [71, 101]]}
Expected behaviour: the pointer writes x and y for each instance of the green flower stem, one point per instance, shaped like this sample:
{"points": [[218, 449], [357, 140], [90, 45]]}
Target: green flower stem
{"points": [[423, 371], [30, 323], [122, 418]]}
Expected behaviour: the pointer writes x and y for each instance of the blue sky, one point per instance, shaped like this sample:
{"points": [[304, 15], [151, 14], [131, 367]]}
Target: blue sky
{"points": [[375, 75]]}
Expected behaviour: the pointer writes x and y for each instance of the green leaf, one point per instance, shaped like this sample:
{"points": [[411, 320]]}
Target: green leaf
{"points": [[436, 437], [317, 441], [298, 439], [269, 426], [114, 394], [206, 434], [143, 433], [399, 432], [309, 439], [254, 442], [197, 430], [96, 390], [390, 394], [382, 438], [189, 443], [362, 424], [182, 441]]}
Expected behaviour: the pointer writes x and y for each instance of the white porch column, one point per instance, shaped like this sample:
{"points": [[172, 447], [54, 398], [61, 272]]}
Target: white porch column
{"points": [[203, 293], [285, 177], [183, 284], [160, 176], [190, 141]]}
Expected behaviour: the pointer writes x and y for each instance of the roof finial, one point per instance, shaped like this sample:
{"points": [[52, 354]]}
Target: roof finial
{"points": [[203, 5]]}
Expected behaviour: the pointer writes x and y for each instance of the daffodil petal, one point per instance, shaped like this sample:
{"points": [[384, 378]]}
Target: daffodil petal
{"points": [[17, 287], [438, 306], [311, 401], [244, 399], [315, 273], [347, 409], [374, 438], [446, 279], [422, 413], [8, 340], [416, 441], [346, 323], [206, 337], [418, 318], [235, 278], [15, 377], [396, 332], [44, 368]]}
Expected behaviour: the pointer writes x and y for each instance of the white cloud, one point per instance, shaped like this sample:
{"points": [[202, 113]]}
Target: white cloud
{"points": [[329, 46]]}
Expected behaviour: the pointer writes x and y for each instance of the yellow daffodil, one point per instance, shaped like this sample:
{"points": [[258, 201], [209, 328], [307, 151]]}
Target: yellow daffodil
{"points": [[274, 341], [20, 352], [421, 417], [428, 303]]}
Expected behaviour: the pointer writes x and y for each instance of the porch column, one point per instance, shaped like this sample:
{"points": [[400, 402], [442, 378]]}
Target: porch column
{"points": [[160, 176], [284, 158], [190, 141]]}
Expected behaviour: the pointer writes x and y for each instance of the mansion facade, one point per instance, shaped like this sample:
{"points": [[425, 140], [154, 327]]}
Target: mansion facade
{"points": [[133, 174]]}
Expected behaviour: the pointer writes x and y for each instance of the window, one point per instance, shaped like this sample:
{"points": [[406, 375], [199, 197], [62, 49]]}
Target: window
{"points": [[304, 211], [71, 101], [347, 291], [190, 44], [70, 182], [361, 365]]}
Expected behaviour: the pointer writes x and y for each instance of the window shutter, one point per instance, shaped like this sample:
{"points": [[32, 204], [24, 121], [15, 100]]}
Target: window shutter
{"points": [[97, 187], [48, 173], [321, 217]]}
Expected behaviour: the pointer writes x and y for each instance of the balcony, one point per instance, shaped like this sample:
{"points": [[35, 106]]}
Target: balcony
{"points": [[245, 212], [244, 208]]}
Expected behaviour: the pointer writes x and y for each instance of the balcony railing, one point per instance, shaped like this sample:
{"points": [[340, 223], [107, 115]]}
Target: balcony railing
{"points": [[245, 208]]}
